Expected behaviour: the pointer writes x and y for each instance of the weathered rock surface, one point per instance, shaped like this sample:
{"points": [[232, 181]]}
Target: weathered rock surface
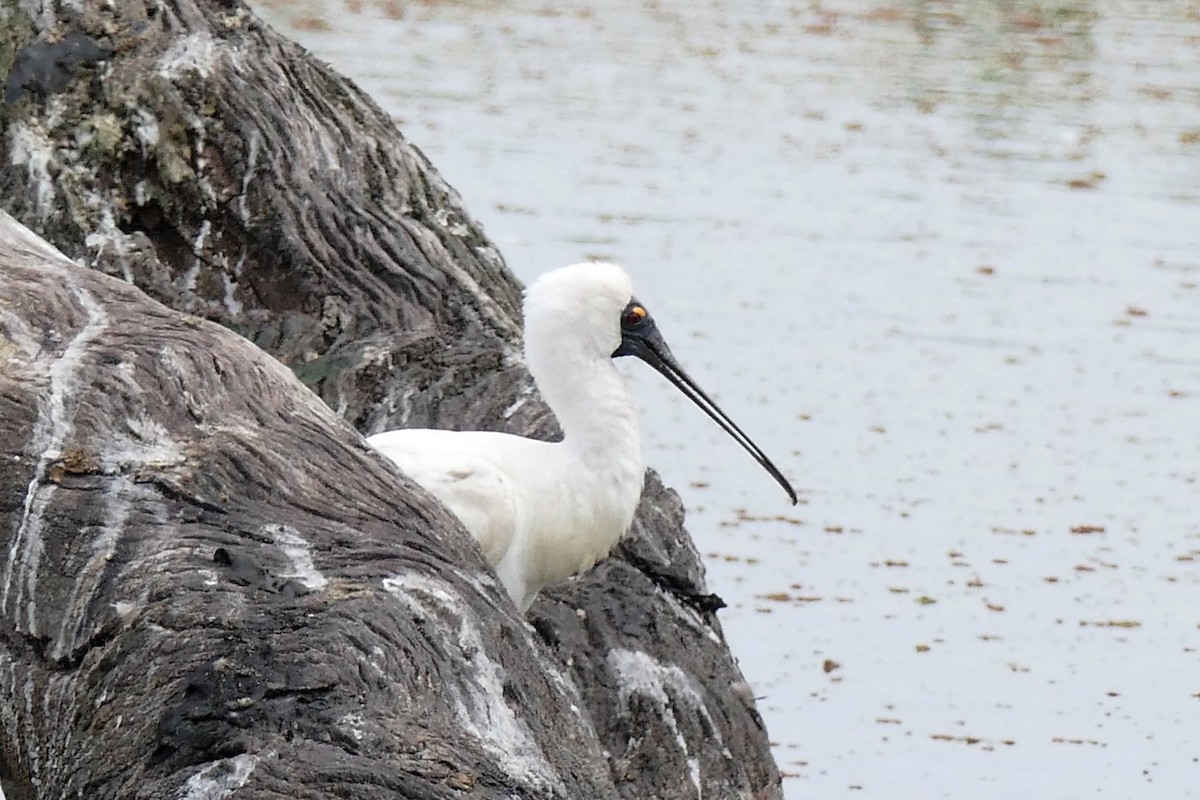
{"points": [[209, 585]]}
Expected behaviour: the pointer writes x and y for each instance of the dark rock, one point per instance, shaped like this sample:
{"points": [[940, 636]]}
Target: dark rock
{"points": [[47, 67]]}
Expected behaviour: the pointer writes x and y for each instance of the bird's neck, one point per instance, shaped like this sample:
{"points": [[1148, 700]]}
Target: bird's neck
{"points": [[598, 417]]}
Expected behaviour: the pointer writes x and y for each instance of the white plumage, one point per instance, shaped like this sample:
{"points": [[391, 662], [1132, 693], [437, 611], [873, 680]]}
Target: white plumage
{"points": [[544, 511]]}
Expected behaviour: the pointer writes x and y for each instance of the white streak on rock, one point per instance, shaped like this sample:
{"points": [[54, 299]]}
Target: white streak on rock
{"points": [[189, 278], [665, 684], [31, 148], [108, 236], [299, 552], [352, 723], [219, 779], [515, 405], [253, 142], [198, 52], [232, 304], [478, 698], [148, 444], [50, 433], [147, 130]]}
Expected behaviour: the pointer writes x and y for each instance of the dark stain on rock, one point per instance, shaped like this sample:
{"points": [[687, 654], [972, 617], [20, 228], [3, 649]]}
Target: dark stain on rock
{"points": [[45, 68]]}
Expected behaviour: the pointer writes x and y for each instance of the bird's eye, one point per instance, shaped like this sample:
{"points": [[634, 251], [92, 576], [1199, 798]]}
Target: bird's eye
{"points": [[633, 316]]}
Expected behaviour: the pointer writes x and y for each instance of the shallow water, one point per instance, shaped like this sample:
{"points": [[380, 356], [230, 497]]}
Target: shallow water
{"points": [[941, 260]]}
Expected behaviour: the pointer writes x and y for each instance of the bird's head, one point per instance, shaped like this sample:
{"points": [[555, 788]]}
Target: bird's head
{"points": [[587, 313], [578, 309]]}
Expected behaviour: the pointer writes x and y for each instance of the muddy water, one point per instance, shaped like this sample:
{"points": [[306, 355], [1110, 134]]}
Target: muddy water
{"points": [[941, 259]]}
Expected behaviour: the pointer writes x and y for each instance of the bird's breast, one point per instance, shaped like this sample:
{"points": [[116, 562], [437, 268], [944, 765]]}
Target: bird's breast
{"points": [[577, 519]]}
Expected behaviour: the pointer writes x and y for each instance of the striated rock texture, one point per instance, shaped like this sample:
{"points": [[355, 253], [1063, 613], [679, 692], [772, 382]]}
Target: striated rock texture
{"points": [[209, 585]]}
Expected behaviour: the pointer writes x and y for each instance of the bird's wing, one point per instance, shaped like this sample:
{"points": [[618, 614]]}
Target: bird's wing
{"points": [[454, 467]]}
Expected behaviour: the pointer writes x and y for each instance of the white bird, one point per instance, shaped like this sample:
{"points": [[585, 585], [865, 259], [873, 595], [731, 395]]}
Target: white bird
{"points": [[543, 511]]}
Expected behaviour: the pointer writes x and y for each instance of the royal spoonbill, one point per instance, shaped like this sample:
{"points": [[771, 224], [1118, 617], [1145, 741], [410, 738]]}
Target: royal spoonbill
{"points": [[543, 511]]}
